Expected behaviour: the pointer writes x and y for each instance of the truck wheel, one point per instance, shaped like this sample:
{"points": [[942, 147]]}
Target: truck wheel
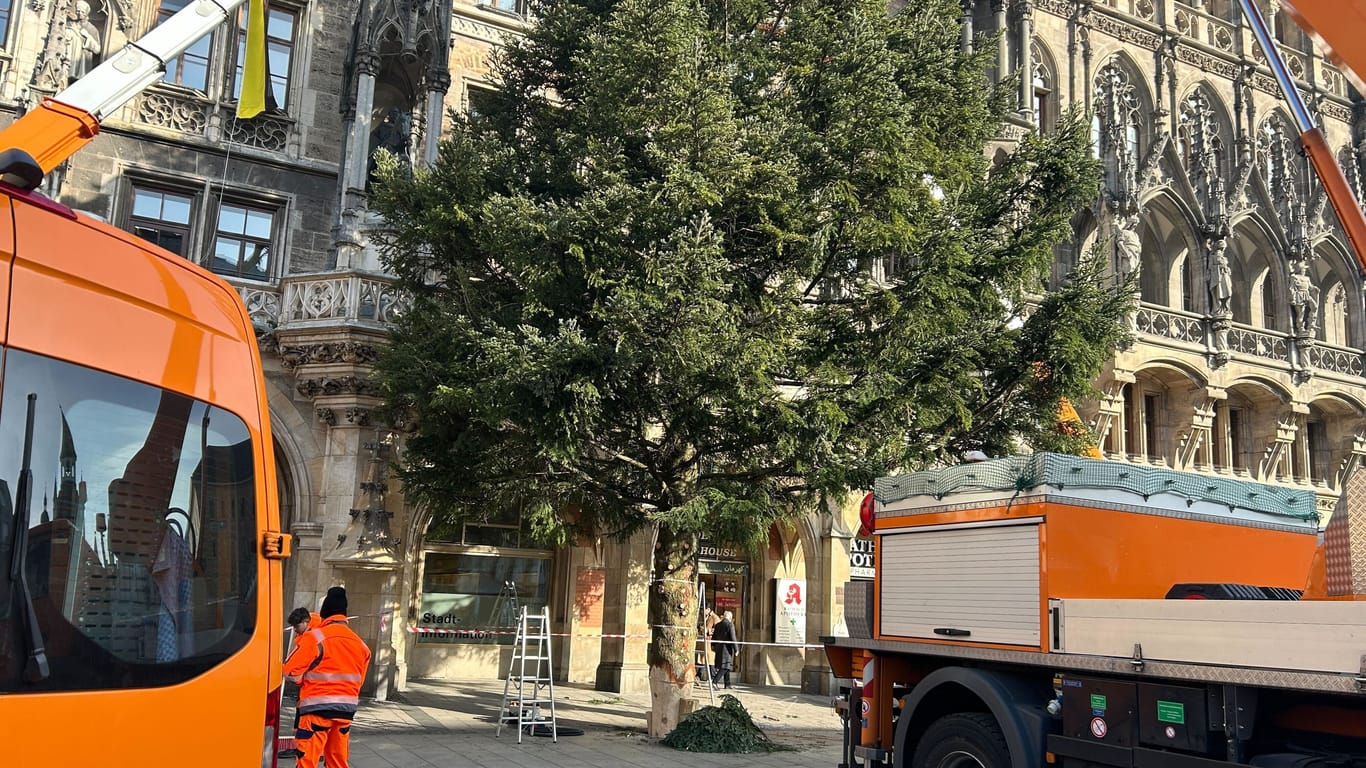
{"points": [[962, 740]]}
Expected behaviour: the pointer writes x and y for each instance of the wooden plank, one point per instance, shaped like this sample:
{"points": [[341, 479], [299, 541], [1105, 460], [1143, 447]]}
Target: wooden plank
{"points": [[1318, 636]]}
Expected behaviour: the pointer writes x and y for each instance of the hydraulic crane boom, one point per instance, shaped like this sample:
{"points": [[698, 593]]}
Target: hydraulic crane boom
{"points": [[1337, 25], [61, 125]]}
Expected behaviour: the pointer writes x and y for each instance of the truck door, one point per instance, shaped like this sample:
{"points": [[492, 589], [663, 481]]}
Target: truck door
{"points": [[6, 261]]}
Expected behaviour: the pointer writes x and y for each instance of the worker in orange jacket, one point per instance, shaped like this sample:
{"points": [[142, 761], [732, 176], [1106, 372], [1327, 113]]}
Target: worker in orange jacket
{"points": [[329, 663]]}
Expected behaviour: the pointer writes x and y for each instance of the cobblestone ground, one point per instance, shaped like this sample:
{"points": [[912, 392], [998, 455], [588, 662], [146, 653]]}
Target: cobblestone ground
{"points": [[444, 723]]}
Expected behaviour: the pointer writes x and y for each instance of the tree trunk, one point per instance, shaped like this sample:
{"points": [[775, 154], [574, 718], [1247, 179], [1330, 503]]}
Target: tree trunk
{"points": [[673, 634]]}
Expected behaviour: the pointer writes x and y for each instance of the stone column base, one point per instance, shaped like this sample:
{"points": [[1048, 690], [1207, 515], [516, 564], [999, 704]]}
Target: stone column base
{"points": [[617, 677]]}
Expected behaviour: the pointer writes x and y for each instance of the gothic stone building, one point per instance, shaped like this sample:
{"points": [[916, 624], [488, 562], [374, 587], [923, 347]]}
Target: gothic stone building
{"points": [[1246, 358]]}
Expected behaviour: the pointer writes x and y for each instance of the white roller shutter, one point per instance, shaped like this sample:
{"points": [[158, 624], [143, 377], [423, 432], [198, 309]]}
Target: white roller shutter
{"points": [[983, 581]]}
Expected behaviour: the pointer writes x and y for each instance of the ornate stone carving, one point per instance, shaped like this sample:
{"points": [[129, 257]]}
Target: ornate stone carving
{"points": [[1124, 31], [1331, 110], [1206, 62], [326, 416], [270, 132], [338, 385], [479, 30], [294, 355], [348, 297], [1063, 8], [358, 416], [263, 306], [178, 113]]}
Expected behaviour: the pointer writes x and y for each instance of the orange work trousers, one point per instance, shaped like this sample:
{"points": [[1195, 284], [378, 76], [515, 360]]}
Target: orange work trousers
{"points": [[328, 738]]}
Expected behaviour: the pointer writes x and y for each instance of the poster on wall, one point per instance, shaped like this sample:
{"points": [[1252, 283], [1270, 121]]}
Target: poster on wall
{"points": [[789, 611]]}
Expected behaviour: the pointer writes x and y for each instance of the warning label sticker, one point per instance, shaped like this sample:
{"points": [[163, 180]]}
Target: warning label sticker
{"points": [[1099, 728]]}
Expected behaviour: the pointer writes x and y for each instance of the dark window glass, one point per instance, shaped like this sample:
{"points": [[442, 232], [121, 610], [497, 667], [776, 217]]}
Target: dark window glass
{"points": [[242, 243], [140, 554], [5, 6], [162, 217], [478, 597], [191, 68]]}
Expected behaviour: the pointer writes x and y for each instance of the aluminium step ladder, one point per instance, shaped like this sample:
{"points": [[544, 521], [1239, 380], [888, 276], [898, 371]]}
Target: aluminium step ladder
{"points": [[529, 684]]}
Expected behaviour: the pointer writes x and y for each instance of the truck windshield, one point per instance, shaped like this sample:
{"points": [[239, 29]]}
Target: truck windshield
{"points": [[139, 541]]}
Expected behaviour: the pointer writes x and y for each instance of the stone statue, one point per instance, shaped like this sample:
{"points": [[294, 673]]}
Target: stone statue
{"points": [[82, 41], [1128, 245], [392, 135], [1220, 278], [1304, 299]]}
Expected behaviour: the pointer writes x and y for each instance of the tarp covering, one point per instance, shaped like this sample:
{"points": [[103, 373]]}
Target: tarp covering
{"points": [[1024, 473]]}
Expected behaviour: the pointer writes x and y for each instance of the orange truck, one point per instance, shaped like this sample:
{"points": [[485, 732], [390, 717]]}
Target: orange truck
{"points": [[1058, 610], [1052, 609], [140, 557]]}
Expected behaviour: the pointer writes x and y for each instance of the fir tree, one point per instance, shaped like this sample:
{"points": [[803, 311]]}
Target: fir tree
{"points": [[701, 265]]}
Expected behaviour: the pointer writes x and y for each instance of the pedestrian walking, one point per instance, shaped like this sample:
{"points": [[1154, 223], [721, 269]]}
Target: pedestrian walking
{"points": [[329, 662], [725, 647]]}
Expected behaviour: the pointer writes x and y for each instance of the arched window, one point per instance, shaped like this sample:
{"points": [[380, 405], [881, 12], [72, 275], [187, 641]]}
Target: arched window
{"points": [[1268, 302], [1045, 99], [1116, 128], [1335, 318]]}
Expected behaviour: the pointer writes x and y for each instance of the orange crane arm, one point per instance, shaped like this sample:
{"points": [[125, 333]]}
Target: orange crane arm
{"points": [[66, 122], [1338, 25]]}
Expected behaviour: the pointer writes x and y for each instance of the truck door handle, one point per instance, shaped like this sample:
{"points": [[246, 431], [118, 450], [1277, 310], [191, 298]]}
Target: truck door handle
{"points": [[952, 631]]}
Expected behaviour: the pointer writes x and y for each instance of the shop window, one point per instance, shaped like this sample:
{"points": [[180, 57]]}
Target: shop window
{"points": [[281, 24], [476, 597], [191, 68]]}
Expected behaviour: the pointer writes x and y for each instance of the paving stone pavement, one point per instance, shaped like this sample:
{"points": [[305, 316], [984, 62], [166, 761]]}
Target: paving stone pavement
{"points": [[445, 723]]}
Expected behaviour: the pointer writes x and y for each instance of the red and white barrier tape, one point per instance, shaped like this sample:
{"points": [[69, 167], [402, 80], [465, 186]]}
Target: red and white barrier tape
{"points": [[475, 634]]}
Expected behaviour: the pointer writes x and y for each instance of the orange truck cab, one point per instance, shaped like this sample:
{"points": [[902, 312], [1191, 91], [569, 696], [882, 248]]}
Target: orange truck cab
{"points": [[137, 493], [140, 561]]}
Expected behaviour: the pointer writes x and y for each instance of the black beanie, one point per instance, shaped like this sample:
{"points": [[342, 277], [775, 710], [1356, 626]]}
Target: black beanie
{"points": [[335, 603]]}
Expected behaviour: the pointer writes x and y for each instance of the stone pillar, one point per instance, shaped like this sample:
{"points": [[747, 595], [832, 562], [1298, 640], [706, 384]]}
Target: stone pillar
{"points": [[827, 571], [439, 83], [623, 667], [354, 174], [1002, 32], [968, 13], [1024, 13]]}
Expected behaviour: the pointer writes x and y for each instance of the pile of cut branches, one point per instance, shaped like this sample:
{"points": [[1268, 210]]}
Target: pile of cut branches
{"points": [[727, 728]]}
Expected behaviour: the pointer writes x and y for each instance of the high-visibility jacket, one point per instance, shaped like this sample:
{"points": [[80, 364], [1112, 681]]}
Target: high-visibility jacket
{"points": [[329, 663]]}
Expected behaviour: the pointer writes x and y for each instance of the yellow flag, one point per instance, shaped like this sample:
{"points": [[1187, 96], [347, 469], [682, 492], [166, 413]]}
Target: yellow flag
{"points": [[252, 101]]}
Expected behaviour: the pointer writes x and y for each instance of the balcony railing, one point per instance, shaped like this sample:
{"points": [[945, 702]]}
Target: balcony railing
{"points": [[325, 299], [1169, 324], [1344, 360], [1259, 343], [1203, 28]]}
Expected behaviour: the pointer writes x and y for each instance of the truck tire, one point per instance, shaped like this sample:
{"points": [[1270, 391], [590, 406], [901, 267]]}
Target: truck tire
{"points": [[962, 740]]}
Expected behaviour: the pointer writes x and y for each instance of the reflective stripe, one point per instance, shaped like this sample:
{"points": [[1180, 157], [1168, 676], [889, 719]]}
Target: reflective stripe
{"points": [[344, 676], [317, 634], [311, 701]]}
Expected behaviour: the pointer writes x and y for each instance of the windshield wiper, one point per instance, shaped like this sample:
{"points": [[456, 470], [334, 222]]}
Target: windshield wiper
{"points": [[36, 668]]}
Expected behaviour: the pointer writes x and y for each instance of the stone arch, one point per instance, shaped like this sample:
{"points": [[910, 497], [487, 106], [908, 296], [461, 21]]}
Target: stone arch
{"points": [[1329, 435], [1157, 410], [1260, 289], [1340, 320], [1246, 423], [295, 447], [1172, 270]]}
